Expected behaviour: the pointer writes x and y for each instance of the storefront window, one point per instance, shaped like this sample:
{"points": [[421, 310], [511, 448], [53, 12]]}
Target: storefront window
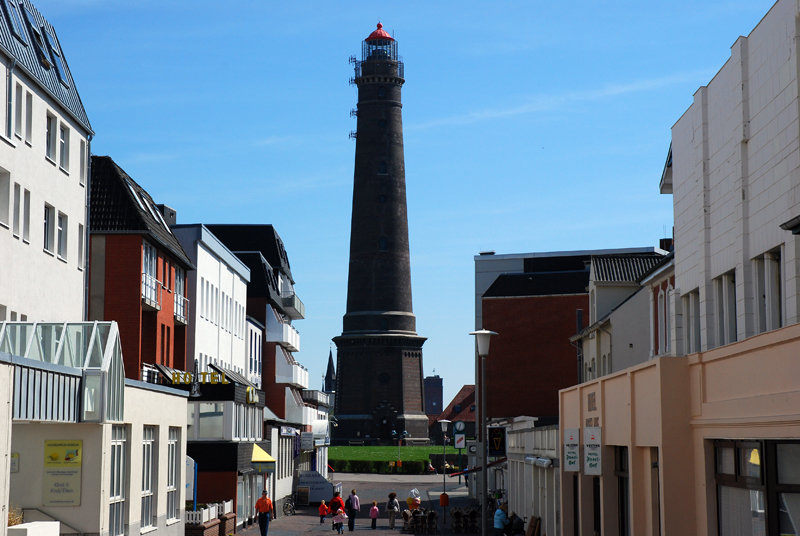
{"points": [[210, 422]]}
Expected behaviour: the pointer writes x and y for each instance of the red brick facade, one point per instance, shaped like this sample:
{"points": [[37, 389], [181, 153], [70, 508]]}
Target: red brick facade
{"points": [[531, 358]]}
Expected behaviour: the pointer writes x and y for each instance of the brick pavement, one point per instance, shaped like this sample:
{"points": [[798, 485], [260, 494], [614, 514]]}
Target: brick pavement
{"points": [[369, 487]]}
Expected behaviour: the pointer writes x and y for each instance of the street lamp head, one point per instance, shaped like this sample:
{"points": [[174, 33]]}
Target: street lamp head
{"points": [[444, 423], [483, 337], [405, 433]]}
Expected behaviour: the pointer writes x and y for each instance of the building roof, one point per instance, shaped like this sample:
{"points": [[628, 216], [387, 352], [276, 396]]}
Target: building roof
{"points": [[539, 284], [380, 33], [256, 237], [464, 398], [31, 54], [628, 267], [120, 206], [665, 260]]}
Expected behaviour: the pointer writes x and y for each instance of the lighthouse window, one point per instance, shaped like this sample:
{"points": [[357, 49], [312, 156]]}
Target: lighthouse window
{"points": [[382, 168], [381, 92], [383, 244], [382, 123]]}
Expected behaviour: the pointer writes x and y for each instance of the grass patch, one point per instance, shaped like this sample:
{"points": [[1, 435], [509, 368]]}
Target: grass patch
{"points": [[376, 459]]}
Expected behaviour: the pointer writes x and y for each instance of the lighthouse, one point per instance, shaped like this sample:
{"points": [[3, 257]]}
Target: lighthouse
{"points": [[379, 393]]}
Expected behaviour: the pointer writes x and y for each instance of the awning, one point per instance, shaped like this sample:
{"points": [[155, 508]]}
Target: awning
{"points": [[261, 461], [475, 469], [231, 375]]}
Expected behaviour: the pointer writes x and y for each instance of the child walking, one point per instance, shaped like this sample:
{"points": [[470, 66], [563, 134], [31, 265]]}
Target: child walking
{"points": [[373, 513], [323, 511], [339, 519]]}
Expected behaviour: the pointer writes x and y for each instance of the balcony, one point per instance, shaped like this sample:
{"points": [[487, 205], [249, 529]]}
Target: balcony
{"points": [[181, 310], [292, 305], [287, 370], [317, 398], [151, 292], [278, 330], [297, 411]]}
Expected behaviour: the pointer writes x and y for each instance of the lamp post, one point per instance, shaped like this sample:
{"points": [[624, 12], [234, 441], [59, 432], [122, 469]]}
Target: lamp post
{"points": [[482, 339], [443, 498]]}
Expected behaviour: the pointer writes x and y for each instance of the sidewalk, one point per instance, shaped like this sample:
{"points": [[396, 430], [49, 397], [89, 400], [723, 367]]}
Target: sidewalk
{"points": [[371, 487]]}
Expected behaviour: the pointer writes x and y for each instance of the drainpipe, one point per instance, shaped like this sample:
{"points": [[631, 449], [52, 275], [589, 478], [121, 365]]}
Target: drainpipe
{"points": [[86, 244], [9, 93]]}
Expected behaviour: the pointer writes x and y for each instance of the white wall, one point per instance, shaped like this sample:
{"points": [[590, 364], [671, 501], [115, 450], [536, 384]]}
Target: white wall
{"points": [[736, 171], [40, 284], [6, 394]]}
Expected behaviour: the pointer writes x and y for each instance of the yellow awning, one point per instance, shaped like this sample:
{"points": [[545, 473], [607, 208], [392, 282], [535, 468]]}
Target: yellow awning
{"points": [[260, 455]]}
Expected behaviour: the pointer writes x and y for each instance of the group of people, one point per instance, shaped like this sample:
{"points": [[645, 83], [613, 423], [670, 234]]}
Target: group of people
{"points": [[506, 524], [348, 510]]}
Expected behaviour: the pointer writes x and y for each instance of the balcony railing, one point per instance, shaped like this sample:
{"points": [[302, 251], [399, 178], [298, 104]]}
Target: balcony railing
{"points": [[292, 373], [150, 374], [151, 291], [181, 309], [318, 398], [281, 332], [292, 305]]}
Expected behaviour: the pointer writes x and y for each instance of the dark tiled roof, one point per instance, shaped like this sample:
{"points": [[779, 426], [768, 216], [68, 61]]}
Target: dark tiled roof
{"points": [[256, 237], [119, 205], [29, 62], [666, 259], [263, 282], [539, 284], [623, 267]]}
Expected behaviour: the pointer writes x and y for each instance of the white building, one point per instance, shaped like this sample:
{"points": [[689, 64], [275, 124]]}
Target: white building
{"points": [[44, 143], [218, 327]]}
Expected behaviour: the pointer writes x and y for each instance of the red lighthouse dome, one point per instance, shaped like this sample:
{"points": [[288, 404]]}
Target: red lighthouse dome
{"points": [[380, 33]]}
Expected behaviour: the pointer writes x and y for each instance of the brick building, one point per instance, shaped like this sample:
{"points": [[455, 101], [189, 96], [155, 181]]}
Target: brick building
{"points": [[137, 272]]}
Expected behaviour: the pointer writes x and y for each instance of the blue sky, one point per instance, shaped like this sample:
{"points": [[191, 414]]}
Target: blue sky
{"points": [[529, 126]]}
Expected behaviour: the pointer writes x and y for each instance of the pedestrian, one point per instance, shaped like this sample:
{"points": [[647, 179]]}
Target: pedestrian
{"points": [[392, 508], [339, 519], [500, 519], [516, 525], [323, 511], [373, 513], [264, 510], [352, 510], [335, 505]]}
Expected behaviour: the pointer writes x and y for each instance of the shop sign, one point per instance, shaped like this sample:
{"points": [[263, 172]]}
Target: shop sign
{"points": [[497, 442], [15, 462], [202, 377], [461, 441], [61, 481], [288, 431], [251, 395], [263, 468], [592, 457], [307, 440], [572, 454]]}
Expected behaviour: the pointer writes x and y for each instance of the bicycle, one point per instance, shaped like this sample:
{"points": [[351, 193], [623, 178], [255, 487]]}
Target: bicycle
{"points": [[289, 506]]}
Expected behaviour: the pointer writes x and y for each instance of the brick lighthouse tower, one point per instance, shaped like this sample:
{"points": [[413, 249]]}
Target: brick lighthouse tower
{"points": [[379, 393]]}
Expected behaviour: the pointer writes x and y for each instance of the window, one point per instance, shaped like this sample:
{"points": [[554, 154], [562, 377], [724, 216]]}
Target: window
{"points": [[116, 499], [38, 40], [50, 141], [381, 92], [15, 22], [5, 197], [725, 302], [382, 168], [49, 228], [61, 235], [173, 474], [82, 171], [662, 322], [17, 202], [149, 281], [210, 420], [383, 244], [18, 111], [691, 330], [55, 56], [668, 321], [80, 246], [28, 117], [63, 147], [180, 300], [623, 490], [767, 278], [149, 461]]}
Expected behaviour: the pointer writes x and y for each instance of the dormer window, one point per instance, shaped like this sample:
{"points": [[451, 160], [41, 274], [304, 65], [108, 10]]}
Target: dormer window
{"points": [[15, 22], [38, 41], [56, 56]]}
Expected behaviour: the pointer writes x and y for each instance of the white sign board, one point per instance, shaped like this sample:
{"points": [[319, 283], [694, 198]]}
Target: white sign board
{"points": [[592, 457], [307, 440], [189, 478], [461, 441], [572, 453]]}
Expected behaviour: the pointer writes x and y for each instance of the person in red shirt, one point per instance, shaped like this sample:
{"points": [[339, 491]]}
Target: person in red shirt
{"points": [[264, 509], [323, 511], [336, 504]]}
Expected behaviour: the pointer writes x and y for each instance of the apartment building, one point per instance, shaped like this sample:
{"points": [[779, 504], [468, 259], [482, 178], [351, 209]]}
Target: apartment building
{"points": [[44, 145]]}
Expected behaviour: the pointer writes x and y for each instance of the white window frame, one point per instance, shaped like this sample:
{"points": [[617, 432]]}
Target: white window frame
{"points": [[50, 137], [5, 198], [28, 117], [82, 170], [18, 110], [63, 147], [26, 216], [149, 478], [173, 474], [49, 228], [62, 235], [119, 479]]}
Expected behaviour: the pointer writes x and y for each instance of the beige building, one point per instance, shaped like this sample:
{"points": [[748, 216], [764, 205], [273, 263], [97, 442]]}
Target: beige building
{"points": [[703, 436]]}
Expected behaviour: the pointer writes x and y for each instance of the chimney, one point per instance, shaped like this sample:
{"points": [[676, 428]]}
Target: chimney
{"points": [[665, 244], [170, 216]]}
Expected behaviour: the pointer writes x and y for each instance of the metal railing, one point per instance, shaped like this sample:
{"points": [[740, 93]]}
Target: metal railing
{"points": [[181, 308], [151, 290]]}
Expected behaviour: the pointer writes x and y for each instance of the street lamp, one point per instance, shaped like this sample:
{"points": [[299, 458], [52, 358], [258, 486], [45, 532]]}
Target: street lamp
{"points": [[399, 440], [482, 338], [443, 498]]}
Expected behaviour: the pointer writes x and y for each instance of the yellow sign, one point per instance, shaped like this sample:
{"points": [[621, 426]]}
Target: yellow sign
{"points": [[61, 482], [204, 377]]}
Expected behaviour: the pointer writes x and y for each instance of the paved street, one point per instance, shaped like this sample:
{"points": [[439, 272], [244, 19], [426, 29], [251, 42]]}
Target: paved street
{"points": [[370, 487]]}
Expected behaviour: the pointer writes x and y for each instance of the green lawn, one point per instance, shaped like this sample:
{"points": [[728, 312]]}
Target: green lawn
{"points": [[386, 454]]}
